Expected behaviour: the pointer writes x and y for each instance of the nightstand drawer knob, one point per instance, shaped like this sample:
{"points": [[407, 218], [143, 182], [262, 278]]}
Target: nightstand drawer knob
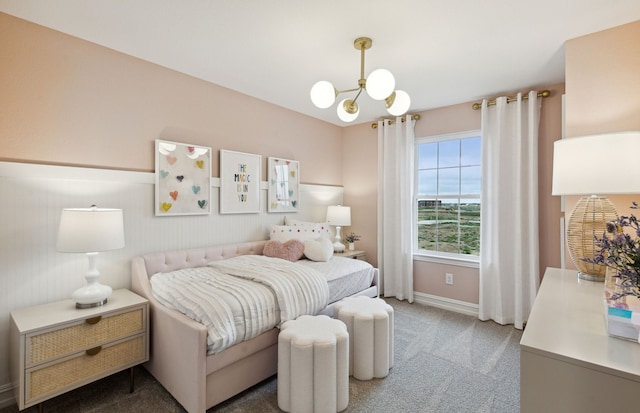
{"points": [[93, 320], [94, 351]]}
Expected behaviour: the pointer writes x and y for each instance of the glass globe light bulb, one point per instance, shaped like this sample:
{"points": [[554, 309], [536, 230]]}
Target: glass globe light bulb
{"points": [[323, 94], [398, 103], [348, 110], [380, 84]]}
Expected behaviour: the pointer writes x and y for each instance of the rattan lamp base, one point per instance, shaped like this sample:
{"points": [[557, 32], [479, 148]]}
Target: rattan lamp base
{"points": [[587, 221]]}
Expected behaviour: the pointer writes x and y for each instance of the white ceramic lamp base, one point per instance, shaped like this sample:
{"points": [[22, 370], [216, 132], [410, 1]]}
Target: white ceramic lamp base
{"points": [[338, 246], [93, 294]]}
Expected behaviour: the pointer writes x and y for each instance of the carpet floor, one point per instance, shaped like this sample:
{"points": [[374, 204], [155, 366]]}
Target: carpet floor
{"points": [[444, 362]]}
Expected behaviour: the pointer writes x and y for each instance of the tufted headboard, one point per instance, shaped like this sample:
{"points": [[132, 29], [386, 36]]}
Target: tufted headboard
{"points": [[198, 257]]}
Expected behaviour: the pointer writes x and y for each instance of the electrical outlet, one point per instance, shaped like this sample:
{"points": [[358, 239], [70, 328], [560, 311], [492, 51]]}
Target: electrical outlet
{"points": [[448, 278]]}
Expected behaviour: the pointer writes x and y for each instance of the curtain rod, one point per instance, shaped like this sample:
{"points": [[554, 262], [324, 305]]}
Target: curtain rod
{"points": [[374, 125], [543, 94]]}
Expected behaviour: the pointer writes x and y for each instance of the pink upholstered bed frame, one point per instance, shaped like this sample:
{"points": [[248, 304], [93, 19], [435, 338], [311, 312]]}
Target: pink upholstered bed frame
{"points": [[178, 355]]}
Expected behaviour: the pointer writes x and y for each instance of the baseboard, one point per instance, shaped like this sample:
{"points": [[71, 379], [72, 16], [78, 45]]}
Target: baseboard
{"points": [[6, 395], [446, 303]]}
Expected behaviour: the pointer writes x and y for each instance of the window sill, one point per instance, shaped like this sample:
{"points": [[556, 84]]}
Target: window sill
{"points": [[471, 262]]}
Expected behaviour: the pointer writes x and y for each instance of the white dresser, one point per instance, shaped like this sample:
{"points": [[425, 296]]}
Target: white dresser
{"points": [[568, 363]]}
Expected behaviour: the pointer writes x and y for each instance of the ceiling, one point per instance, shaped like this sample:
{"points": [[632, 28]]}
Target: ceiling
{"points": [[441, 52]]}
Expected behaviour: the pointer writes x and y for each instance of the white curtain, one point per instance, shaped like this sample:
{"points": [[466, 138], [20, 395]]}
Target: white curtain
{"points": [[509, 265], [395, 207]]}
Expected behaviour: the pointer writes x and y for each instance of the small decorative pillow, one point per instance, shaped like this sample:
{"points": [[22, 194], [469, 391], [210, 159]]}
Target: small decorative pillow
{"points": [[284, 233], [321, 228], [291, 250], [320, 249]]}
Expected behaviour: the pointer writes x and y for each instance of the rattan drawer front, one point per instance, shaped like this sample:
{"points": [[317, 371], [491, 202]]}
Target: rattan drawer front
{"points": [[68, 340], [56, 377]]}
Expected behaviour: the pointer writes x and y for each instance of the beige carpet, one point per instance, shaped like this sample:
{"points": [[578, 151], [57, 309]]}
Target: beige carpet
{"points": [[444, 362]]}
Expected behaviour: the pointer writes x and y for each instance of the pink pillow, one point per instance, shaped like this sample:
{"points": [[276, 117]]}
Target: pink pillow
{"points": [[291, 250]]}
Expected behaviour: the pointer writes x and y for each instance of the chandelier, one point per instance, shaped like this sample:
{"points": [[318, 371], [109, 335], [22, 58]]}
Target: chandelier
{"points": [[379, 85]]}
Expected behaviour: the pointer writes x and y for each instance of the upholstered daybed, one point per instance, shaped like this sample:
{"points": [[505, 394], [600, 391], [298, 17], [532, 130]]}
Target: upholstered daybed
{"points": [[178, 356]]}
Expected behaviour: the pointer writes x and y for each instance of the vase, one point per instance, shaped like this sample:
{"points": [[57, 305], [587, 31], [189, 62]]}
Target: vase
{"points": [[352, 246]]}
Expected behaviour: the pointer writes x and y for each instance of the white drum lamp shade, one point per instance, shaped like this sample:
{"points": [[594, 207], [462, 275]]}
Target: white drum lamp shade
{"points": [[338, 216], [593, 165], [90, 231]]}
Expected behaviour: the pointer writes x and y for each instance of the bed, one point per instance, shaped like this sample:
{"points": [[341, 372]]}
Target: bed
{"points": [[179, 356]]}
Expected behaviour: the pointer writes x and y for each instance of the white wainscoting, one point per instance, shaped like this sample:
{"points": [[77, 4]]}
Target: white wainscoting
{"points": [[32, 197]]}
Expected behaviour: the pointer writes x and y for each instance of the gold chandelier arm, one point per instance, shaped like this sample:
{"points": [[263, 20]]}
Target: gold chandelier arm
{"points": [[348, 90], [356, 98]]}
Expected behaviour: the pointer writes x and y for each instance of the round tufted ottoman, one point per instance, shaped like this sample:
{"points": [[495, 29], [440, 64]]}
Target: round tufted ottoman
{"points": [[313, 365], [370, 325]]}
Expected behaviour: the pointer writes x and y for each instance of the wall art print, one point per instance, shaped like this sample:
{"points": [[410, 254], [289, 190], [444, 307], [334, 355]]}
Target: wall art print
{"points": [[183, 179], [284, 188], [239, 182]]}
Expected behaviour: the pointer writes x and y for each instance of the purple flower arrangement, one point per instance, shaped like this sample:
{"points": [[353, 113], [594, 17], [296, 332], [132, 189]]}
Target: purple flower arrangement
{"points": [[620, 251]]}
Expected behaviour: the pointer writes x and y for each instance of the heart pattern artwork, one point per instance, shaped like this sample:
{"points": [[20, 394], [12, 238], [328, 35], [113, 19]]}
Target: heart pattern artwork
{"points": [[283, 184], [183, 179]]}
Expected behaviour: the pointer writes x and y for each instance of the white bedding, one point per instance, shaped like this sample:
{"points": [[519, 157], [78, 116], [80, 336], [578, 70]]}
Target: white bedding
{"points": [[241, 297], [345, 276]]}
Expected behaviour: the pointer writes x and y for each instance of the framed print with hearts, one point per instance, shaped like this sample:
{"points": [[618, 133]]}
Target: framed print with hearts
{"points": [[239, 182], [183, 179], [284, 185]]}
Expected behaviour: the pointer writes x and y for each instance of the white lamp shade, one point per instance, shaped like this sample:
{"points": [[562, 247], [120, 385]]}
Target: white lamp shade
{"points": [[90, 230], [596, 164], [338, 215], [344, 115], [323, 94], [401, 103], [380, 84]]}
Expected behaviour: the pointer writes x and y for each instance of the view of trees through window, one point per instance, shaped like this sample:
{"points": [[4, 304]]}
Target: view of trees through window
{"points": [[448, 194]]}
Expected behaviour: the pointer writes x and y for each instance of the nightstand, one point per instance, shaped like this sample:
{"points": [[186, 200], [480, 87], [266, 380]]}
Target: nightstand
{"points": [[355, 254], [56, 348]]}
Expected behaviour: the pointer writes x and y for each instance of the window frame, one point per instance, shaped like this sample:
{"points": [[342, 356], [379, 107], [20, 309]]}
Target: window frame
{"points": [[466, 260]]}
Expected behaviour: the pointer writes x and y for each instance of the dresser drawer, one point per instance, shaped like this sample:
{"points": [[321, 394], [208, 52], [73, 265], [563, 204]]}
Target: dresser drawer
{"points": [[49, 345], [83, 367]]}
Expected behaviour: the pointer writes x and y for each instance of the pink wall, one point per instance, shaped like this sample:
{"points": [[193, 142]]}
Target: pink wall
{"points": [[360, 183], [70, 102], [603, 93]]}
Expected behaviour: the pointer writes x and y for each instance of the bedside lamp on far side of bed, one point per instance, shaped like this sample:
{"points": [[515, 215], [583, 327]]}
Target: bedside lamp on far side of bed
{"points": [[338, 216], [90, 231]]}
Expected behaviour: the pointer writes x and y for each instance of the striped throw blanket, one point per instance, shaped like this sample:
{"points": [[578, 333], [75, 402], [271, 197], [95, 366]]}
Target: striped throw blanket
{"points": [[240, 298]]}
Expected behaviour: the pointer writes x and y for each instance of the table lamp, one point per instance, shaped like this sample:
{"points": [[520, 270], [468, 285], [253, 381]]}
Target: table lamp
{"points": [[589, 165], [338, 216], [90, 231]]}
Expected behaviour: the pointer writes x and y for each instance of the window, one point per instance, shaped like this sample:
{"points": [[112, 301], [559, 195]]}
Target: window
{"points": [[447, 206]]}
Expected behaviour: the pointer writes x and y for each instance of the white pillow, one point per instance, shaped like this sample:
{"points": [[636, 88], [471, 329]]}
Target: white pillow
{"points": [[321, 227], [284, 233], [320, 249]]}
